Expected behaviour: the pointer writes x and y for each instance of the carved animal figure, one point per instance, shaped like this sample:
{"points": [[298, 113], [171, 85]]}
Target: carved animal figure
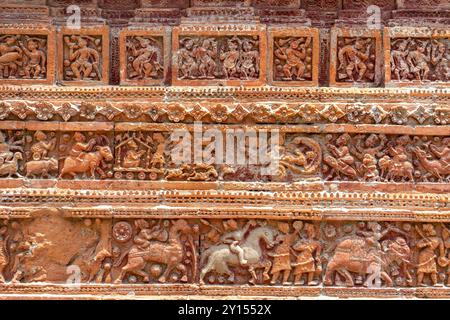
{"points": [[434, 167], [89, 163], [355, 255], [40, 168], [219, 257], [170, 253], [11, 167], [393, 170]]}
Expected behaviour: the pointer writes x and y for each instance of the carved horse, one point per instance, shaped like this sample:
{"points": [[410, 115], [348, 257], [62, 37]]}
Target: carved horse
{"points": [[170, 253], [220, 258]]}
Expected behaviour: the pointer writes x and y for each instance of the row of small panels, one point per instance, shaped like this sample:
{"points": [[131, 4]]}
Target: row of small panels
{"points": [[228, 55]]}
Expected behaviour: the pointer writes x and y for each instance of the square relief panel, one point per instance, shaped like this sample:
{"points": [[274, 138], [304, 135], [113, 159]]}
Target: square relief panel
{"points": [[219, 55], [294, 56], [355, 58], [83, 56], [417, 56], [144, 56], [27, 55]]}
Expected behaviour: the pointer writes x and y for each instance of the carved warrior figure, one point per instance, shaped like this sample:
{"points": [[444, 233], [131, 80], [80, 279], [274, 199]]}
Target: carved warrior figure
{"points": [[156, 246], [428, 245], [82, 62], [144, 58], [239, 248], [308, 259], [87, 157], [420, 59], [281, 263], [22, 57], [356, 60], [293, 55], [218, 58]]}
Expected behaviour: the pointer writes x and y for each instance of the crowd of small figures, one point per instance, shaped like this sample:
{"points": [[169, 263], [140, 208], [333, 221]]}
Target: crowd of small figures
{"points": [[150, 155], [230, 251], [226, 57]]}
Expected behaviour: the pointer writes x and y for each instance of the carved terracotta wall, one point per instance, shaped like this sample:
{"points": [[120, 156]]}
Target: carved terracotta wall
{"points": [[90, 192]]}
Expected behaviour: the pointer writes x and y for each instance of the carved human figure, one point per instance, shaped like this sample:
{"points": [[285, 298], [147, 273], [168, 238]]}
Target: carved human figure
{"points": [[440, 59], [249, 59], [234, 237], [354, 57], [230, 58], [293, 52], [301, 156], [83, 59], [308, 259], [147, 58], [418, 60], [205, 55], [35, 67], [281, 254], [43, 145], [82, 160], [170, 252], [399, 65], [187, 65], [428, 245], [397, 164], [133, 155], [10, 56], [339, 159], [158, 161], [9, 146], [4, 260]]}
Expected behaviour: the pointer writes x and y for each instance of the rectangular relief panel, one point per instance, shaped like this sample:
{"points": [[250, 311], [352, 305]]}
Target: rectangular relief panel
{"points": [[144, 56], [230, 55], [83, 56], [417, 56], [293, 56], [27, 55]]}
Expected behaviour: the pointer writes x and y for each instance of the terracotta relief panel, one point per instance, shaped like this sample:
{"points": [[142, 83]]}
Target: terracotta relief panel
{"points": [[355, 57], [230, 251], [83, 56], [27, 56], [145, 56], [417, 56], [294, 56], [218, 55]]}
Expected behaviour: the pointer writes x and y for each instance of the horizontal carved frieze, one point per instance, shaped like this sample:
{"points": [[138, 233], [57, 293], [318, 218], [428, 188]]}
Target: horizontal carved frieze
{"points": [[229, 112], [192, 153], [205, 255]]}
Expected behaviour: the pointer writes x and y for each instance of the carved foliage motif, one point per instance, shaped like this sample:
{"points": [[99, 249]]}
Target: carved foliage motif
{"points": [[23, 56], [414, 114], [420, 59]]}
